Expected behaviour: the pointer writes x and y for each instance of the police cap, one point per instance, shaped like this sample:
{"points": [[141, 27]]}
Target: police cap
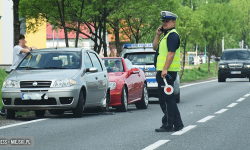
{"points": [[167, 15]]}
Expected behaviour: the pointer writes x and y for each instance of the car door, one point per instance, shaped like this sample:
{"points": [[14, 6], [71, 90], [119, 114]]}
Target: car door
{"points": [[100, 77], [91, 82], [133, 80]]}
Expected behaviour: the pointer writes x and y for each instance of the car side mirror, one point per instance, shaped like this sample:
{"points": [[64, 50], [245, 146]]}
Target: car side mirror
{"points": [[8, 70], [217, 59], [93, 69], [134, 70]]}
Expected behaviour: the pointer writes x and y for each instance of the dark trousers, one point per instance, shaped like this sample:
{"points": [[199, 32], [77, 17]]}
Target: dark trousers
{"points": [[167, 102]]}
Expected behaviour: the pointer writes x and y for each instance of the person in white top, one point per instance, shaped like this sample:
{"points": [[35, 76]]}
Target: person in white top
{"points": [[20, 51]]}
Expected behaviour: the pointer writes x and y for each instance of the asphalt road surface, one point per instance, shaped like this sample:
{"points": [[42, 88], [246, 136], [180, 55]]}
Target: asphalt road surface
{"points": [[216, 116]]}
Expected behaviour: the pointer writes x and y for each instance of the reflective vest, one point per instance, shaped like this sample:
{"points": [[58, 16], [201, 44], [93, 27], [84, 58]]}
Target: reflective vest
{"points": [[163, 52]]}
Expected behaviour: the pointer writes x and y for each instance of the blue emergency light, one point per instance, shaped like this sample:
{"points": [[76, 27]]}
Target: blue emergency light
{"points": [[145, 45]]}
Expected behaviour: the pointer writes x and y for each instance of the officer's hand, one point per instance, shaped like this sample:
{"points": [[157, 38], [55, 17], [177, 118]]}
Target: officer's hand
{"points": [[159, 32], [33, 48], [164, 73]]}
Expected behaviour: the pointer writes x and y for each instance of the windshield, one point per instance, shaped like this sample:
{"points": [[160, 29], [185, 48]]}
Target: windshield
{"points": [[113, 65], [51, 60], [141, 58], [228, 55]]}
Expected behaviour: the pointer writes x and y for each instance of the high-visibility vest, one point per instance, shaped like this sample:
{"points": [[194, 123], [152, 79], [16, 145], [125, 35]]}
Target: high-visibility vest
{"points": [[163, 52]]}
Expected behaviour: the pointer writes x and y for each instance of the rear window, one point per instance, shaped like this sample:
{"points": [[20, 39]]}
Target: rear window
{"points": [[228, 55], [141, 58]]}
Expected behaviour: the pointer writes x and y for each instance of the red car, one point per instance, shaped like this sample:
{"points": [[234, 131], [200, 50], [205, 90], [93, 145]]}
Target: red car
{"points": [[128, 85]]}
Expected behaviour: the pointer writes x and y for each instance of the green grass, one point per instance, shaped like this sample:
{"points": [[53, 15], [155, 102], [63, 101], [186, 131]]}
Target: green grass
{"points": [[198, 73]]}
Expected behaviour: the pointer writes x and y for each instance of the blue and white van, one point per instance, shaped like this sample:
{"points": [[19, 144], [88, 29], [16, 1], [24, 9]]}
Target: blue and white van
{"points": [[142, 56]]}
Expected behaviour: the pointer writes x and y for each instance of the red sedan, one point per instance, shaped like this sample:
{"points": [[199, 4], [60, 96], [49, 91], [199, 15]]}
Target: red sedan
{"points": [[128, 85]]}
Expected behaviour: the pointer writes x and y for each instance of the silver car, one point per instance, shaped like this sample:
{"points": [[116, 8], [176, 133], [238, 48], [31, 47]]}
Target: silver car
{"points": [[142, 56], [57, 80]]}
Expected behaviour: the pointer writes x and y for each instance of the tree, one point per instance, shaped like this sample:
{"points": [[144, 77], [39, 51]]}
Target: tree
{"points": [[16, 23], [216, 21], [189, 28]]}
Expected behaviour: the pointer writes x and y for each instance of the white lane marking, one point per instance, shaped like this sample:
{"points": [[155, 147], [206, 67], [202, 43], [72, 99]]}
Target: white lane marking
{"points": [[232, 105], [246, 95], [197, 83], [240, 99], [205, 119], [184, 130], [156, 144], [221, 111], [18, 124]]}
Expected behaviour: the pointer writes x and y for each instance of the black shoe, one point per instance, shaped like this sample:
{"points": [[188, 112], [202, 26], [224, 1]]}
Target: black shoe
{"points": [[164, 130], [2, 114], [178, 128]]}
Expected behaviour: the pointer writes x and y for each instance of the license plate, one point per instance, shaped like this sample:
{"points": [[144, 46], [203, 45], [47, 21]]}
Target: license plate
{"points": [[34, 96], [235, 72]]}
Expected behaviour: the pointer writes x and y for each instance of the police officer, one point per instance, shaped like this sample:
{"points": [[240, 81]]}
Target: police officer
{"points": [[167, 63]]}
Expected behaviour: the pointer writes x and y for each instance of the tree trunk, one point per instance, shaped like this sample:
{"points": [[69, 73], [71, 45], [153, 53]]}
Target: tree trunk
{"points": [[183, 60], [16, 23], [104, 32], [79, 25], [117, 38]]}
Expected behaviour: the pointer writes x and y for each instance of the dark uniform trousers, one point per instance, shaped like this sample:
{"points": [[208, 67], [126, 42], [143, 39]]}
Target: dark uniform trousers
{"points": [[167, 102]]}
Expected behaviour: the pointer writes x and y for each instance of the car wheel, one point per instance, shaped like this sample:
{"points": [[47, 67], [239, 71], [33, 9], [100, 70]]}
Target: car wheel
{"points": [[124, 101], [40, 113], [177, 97], [78, 111], [221, 79], [10, 114], [143, 104], [56, 111]]}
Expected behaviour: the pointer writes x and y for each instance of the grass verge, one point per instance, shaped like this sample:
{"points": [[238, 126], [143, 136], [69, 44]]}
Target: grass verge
{"points": [[198, 73]]}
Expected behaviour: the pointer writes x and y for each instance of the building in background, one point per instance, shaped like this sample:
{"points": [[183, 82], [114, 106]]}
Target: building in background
{"points": [[37, 39]]}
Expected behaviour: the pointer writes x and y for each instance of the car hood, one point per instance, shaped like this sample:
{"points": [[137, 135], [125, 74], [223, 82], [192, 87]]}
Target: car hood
{"points": [[42, 74], [113, 76], [234, 61]]}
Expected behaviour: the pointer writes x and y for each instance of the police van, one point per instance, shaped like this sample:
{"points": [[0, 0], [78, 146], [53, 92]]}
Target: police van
{"points": [[142, 56]]}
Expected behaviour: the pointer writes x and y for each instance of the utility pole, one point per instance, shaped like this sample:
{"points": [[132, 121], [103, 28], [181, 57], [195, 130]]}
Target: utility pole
{"points": [[223, 44]]}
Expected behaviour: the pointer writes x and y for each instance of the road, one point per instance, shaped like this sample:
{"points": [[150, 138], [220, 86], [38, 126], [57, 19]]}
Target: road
{"points": [[215, 116]]}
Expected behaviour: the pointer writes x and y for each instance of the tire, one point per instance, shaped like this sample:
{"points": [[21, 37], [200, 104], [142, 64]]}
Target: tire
{"points": [[221, 79], [249, 79], [143, 104], [78, 110], [40, 113], [56, 111], [124, 101], [10, 114], [177, 97]]}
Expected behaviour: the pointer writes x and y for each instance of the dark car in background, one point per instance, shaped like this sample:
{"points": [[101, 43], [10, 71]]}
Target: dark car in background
{"points": [[234, 63]]}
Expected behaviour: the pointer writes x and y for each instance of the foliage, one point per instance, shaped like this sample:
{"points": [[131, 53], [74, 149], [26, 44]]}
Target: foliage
{"points": [[3, 75]]}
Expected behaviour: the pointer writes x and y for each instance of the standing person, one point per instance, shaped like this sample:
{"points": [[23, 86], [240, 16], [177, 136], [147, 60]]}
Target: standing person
{"points": [[112, 50], [167, 63], [19, 52]]}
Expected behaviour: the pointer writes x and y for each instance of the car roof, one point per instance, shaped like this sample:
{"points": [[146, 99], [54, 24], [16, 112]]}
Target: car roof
{"points": [[138, 50], [62, 49], [236, 49]]}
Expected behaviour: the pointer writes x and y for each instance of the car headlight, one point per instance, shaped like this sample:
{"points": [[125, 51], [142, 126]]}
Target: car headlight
{"points": [[10, 84], [222, 66], [246, 66], [64, 83], [112, 85]]}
